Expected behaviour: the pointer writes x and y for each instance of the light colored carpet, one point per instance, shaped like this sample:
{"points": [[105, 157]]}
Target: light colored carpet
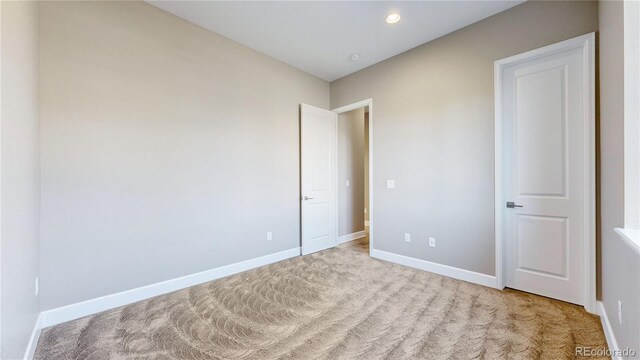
{"points": [[335, 304]]}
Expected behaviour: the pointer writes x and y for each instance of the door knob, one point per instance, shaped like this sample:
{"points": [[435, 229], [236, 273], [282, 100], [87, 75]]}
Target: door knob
{"points": [[307, 198], [511, 205]]}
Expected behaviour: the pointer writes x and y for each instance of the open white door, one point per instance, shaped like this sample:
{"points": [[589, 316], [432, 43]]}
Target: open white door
{"points": [[546, 106], [318, 149]]}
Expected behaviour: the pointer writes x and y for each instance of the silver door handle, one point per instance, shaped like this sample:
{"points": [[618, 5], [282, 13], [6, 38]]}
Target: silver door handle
{"points": [[511, 205], [307, 198]]}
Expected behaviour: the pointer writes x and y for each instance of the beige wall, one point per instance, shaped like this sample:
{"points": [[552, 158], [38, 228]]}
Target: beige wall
{"points": [[433, 131], [619, 263], [351, 200], [20, 176], [167, 149]]}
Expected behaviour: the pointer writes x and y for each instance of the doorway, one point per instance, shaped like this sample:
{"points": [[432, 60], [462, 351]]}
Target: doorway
{"points": [[545, 171], [336, 179], [352, 179]]}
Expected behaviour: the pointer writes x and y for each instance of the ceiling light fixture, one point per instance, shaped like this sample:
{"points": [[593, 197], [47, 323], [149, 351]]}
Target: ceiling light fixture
{"points": [[393, 18], [354, 57]]}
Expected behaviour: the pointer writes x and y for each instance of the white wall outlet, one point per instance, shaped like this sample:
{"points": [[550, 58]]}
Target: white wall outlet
{"points": [[407, 237], [391, 184], [37, 285], [269, 236], [348, 184], [620, 312], [432, 242]]}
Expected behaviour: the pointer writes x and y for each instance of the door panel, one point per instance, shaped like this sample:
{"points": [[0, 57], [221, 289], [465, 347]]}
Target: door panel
{"points": [[543, 102], [541, 128], [318, 178], [549, 233]]}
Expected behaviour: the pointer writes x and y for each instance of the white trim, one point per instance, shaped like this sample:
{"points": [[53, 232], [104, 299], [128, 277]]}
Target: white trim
{"points": [[589, 54], [608, 331], [499, 199], [33, 340], [89, 307], [631, 114], [630, 237], [336, 170], [353, 236], [587, 43], [446, 270], [1, 121], [357, 105]]}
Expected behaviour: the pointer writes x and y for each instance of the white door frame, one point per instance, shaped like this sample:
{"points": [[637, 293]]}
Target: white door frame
{"points": [[587, 44], [343, 109]]}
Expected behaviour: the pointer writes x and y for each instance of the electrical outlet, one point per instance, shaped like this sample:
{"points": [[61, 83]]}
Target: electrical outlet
{"points": [[391, 184], [37, 285], [407, 237], [269, 236], [348, 184], [432, 242], [620, 312], [365, 210]]}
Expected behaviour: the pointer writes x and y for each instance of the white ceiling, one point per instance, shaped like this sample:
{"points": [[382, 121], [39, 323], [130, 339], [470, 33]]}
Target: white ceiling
{"points": [[320, 36]]}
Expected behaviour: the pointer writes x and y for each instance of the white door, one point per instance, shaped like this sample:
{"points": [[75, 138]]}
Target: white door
{"points": [[546, 153], [318, 134]]}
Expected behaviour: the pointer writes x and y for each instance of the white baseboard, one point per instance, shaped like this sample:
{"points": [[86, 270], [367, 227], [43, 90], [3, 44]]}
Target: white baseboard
{"points": [[446, 270], [351, 237], [89, 307], [608, 331], [33, 340]]}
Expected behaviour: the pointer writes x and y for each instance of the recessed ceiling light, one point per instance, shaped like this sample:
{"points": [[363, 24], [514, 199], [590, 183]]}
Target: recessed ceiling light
{"points": [[393, 18]]}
